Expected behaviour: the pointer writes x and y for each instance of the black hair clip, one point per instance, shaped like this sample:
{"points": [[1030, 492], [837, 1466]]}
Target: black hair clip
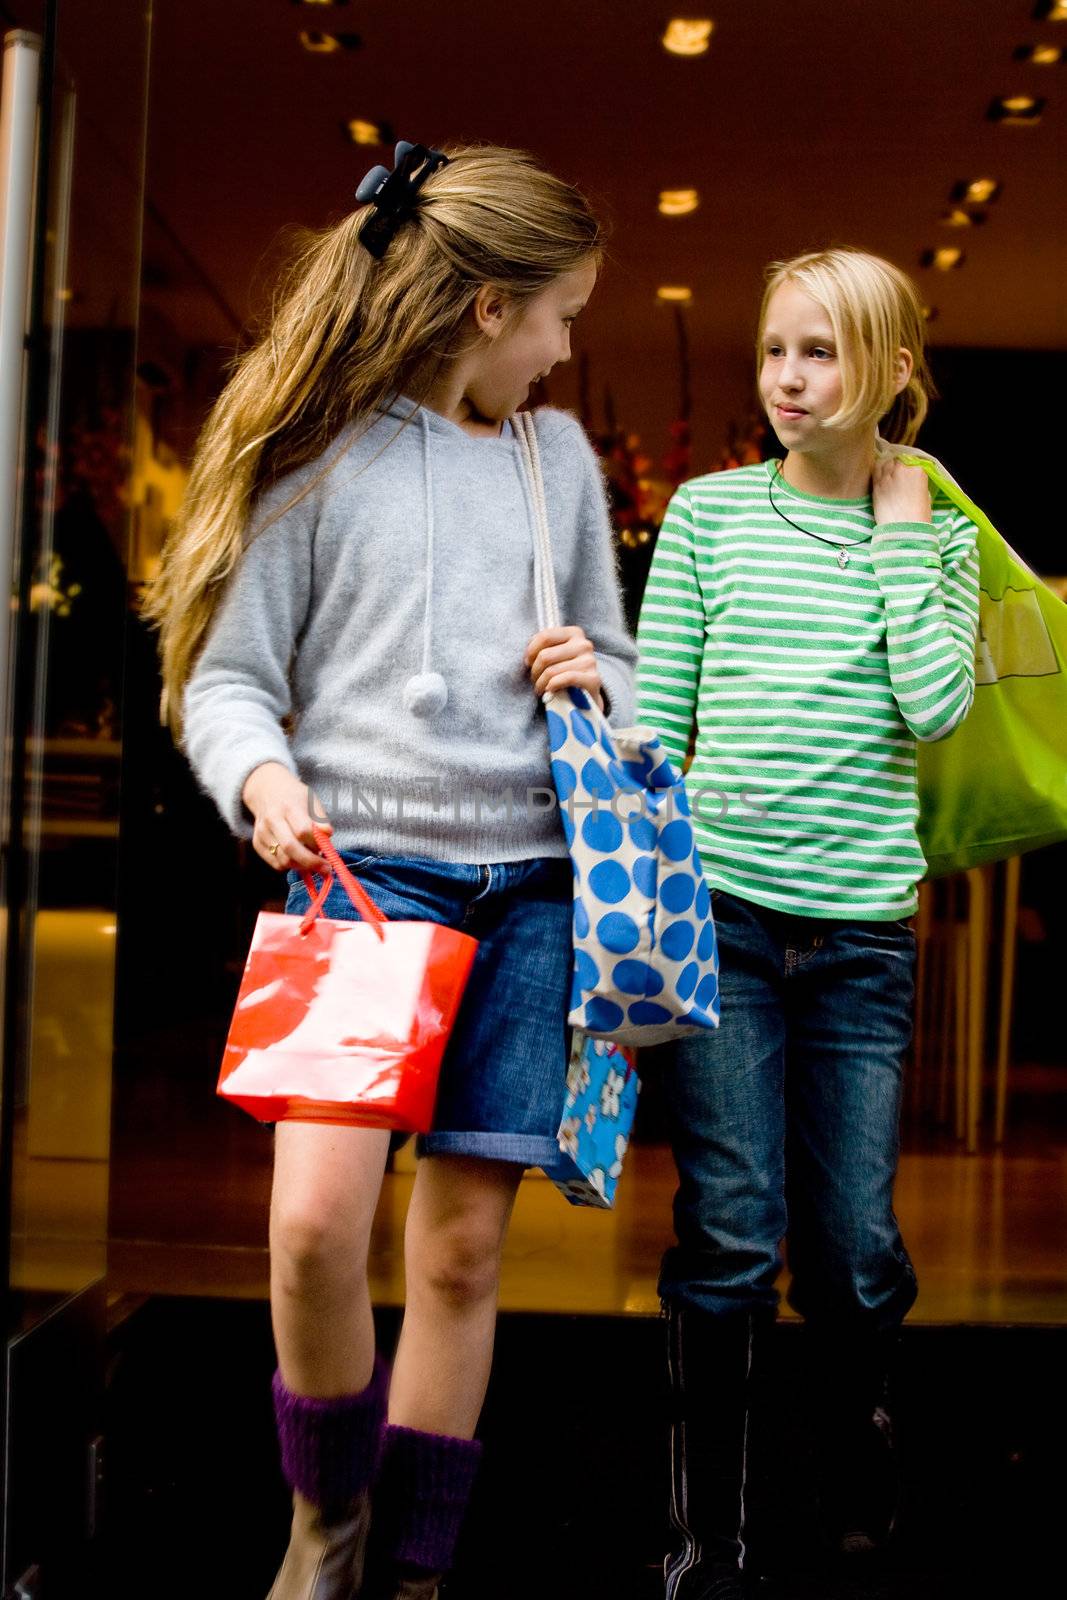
{"points": [[393, 193]]}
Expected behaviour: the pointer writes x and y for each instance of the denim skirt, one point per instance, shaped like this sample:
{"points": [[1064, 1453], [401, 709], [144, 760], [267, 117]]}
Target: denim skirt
{"points": [[503, 1076]]}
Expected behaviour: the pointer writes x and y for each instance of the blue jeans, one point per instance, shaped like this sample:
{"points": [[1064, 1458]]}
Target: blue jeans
{"points": [[787, 1119]]}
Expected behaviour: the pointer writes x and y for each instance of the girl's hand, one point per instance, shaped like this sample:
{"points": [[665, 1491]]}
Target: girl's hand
{"points": [[563, 658], [900, 493], [284, 831]]}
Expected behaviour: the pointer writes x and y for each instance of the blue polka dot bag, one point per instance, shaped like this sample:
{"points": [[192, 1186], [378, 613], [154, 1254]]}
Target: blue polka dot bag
{"points": [[645, 956]]}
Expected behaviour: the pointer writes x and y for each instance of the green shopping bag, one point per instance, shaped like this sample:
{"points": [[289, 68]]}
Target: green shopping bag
{"points": [[998, 784]]}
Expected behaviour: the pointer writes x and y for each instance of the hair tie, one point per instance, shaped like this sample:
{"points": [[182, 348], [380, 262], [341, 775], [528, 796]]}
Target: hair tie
{"points": [[393, 194]]}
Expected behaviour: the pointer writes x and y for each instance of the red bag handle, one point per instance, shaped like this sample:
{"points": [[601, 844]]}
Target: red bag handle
{"points": [[352, 887], [318, 896]]}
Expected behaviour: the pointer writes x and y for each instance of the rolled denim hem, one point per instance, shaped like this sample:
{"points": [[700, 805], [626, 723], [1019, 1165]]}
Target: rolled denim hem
{"points": [[881, 1318], [719, 1302], [523, 1149]]}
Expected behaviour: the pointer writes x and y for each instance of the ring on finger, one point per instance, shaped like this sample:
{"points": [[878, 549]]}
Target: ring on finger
{"points": [[274, 848]]}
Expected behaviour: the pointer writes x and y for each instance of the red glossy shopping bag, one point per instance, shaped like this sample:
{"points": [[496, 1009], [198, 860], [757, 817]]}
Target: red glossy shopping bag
{"points": [[344, 1022]]}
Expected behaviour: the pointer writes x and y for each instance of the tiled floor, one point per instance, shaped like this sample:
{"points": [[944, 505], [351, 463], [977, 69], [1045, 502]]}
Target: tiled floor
{"points": [[986, 1232]]}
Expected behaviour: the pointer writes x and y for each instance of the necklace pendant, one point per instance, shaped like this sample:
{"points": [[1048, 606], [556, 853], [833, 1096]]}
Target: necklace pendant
{"points": [[842, 559]]}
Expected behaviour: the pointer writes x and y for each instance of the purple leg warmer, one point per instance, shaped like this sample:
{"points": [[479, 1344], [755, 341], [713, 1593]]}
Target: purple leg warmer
{"points": [[422, 1493], [330, 1449]]}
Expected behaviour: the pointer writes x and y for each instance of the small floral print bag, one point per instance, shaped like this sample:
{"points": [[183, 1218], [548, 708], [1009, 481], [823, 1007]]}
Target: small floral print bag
{"points": [[598, 1115]]}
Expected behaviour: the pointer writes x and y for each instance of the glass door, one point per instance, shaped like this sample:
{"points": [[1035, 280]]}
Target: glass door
{"points": [[71, 200]]}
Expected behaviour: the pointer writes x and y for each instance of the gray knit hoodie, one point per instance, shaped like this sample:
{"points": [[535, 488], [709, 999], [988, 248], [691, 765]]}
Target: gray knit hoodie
{"points": [[409, 564]]}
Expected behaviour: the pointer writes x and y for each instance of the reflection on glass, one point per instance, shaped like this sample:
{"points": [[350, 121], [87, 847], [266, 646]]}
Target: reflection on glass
{"points": [[80, 447]]}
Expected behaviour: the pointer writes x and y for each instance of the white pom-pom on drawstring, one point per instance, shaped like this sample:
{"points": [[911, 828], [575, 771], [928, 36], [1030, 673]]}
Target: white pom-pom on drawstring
{"points": [[425, 694]]}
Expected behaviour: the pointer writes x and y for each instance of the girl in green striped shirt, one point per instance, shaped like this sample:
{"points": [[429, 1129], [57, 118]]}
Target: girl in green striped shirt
{"points": [[806, 621]]}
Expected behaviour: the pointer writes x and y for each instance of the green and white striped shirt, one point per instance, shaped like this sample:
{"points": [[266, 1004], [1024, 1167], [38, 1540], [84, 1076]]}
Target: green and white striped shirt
{"points": [[807, 684]]}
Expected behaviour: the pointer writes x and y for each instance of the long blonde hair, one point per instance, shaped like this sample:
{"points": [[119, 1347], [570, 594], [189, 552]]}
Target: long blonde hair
{"points": [[346, 334], [875, 311]]}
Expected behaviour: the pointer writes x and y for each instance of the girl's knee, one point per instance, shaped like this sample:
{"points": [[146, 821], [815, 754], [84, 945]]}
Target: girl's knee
{"points": [[458, 1265], [307, 1244]]}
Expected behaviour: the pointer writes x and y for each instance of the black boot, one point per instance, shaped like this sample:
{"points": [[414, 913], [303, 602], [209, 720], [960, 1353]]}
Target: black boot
{"points": [[859, 1479], [710, 1363]]}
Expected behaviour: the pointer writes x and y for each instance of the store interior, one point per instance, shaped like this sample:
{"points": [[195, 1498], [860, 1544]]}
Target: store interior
{"points": [[935, 138]]}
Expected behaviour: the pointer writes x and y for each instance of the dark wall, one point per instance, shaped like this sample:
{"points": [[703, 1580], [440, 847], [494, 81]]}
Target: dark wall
{"points": [[998, 428]]}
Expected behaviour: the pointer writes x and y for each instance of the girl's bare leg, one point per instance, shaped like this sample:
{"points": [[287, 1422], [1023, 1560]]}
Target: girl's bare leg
{"points": [[457, 1221], [326, 1186]]}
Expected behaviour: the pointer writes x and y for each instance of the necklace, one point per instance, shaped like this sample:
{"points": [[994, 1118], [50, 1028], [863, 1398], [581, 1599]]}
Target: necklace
{"points": [[842, 549]]}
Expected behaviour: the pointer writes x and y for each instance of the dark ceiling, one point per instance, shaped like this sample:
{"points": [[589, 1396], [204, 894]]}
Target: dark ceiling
{"points": [[808, 121]]}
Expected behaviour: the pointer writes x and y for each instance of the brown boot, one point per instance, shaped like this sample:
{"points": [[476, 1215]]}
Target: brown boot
{"points": [[416, 1588], [388, 1580], [324, 1560]]}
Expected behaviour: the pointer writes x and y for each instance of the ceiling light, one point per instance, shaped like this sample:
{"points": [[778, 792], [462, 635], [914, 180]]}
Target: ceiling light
{"points": [[958, 218], [361, 132], [318, 2], [688, 36], [944, 260], [1015, 110], [674, 294], [975, 191], [1051, 11], [327, 43], [678, 202], [1040, 55]]}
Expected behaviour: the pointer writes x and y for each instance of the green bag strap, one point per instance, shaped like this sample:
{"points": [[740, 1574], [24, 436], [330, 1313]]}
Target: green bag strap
{"points": [[1001, 567]]}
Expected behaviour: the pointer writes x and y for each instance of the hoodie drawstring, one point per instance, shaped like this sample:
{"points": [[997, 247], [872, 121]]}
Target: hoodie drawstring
{"points": [[426, 693]]}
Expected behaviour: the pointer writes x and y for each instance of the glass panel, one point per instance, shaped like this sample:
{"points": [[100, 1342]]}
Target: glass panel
{"points": [[70, 642], [190, 1177]]}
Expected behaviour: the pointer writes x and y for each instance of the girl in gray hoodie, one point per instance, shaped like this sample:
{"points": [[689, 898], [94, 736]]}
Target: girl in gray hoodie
{"points": [[350, 640]]}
